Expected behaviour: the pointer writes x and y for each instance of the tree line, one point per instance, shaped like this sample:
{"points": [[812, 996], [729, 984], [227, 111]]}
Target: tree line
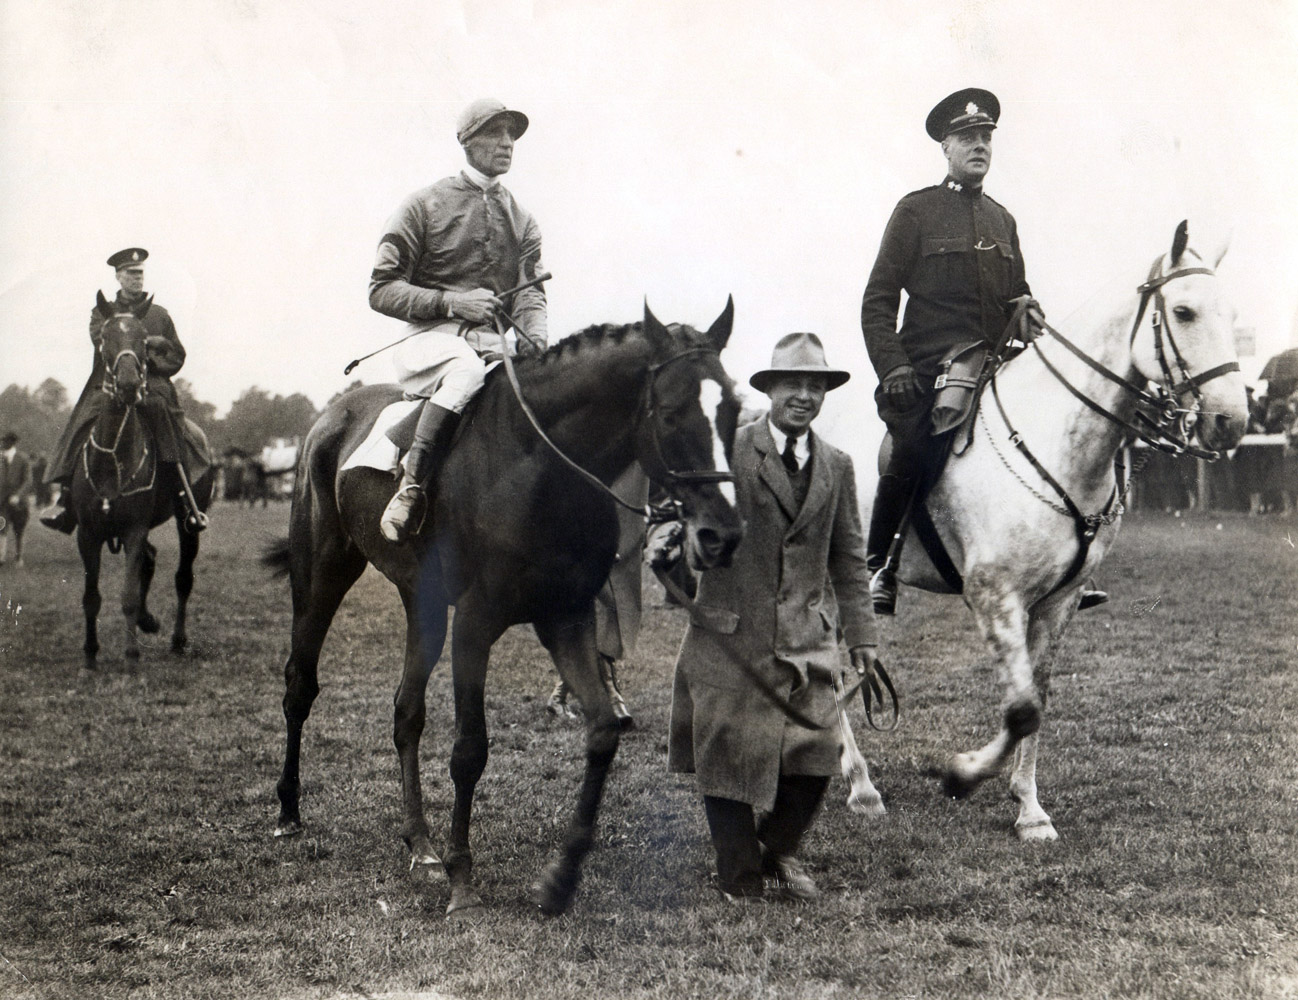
{"points": [[38, 416]]}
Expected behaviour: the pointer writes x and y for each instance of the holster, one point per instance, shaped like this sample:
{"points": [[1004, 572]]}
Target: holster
{"points": [[957, 386]]}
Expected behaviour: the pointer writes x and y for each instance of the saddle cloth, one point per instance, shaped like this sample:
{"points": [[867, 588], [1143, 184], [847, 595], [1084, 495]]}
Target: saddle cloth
{"points": [[378, 451]]}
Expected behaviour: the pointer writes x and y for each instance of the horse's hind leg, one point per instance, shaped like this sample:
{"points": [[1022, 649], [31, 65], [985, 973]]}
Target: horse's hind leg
{"points": [[320, 581], [425, 637], [184, 583], [571, 643], [149, 562], [91, 550], [1003, 621]]}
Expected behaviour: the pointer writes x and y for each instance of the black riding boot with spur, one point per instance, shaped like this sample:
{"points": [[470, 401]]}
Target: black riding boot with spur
{"points": [[405, 512]]}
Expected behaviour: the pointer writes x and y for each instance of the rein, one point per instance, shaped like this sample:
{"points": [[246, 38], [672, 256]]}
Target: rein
{"points": [[671, 476], [91, 443]]}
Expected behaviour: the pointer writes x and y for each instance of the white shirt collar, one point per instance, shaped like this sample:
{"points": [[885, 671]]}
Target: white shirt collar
{"points": [[9, 453], [479, 178], [801, 444]]}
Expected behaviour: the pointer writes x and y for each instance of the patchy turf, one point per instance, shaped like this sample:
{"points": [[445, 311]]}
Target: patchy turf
{"points": [[137, 804]]}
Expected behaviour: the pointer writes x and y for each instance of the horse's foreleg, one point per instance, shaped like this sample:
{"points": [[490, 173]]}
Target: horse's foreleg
{"points": [[149, 562], [862, 798], [133, 544], [319, 586], [1003, 621], [571, 643], [184, 584], [470, 648], [91, 550], [425, 637]]}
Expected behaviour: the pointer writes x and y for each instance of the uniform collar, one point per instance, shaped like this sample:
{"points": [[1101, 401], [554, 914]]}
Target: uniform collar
{"points": [[951, 184], [478, 179], [801, 444]]}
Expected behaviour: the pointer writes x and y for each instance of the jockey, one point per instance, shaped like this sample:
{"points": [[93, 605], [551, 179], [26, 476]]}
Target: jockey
{"points": [[956, 254], [160, 408], [447, 252]]}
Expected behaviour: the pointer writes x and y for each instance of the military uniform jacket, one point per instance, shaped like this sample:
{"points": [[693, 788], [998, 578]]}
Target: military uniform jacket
{"points": [[955, 252], [797, 578]]}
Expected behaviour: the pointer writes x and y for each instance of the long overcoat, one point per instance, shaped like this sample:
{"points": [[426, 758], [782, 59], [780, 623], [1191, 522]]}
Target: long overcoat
{"points": [[797, 579]]}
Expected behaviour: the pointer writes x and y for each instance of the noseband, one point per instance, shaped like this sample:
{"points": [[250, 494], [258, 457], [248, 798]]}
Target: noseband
{"points": [[110, 374], [1170, 427]]}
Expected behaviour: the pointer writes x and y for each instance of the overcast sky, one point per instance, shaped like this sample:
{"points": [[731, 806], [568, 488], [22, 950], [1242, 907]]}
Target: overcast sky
{"points": [[679, 150]]}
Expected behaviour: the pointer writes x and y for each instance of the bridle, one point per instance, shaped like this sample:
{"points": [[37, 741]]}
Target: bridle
{"points": [[1169, 428], [109, 384], [661, 472]]}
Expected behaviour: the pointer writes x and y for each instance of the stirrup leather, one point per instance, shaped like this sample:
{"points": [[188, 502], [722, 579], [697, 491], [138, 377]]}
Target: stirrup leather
{"points": [[397, 515]]}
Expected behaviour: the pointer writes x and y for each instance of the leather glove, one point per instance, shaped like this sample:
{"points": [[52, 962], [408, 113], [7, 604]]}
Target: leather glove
{"points": [[903, 387], [1033, 319], [477, 306]]}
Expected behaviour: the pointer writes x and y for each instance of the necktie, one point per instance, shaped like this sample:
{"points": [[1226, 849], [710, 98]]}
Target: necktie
{"points": [[790, 459]]}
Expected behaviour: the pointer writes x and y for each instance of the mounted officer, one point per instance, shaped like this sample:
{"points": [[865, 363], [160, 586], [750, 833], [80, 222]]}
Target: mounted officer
{"points": [[447, 252], [160, 408], [955, 252]]}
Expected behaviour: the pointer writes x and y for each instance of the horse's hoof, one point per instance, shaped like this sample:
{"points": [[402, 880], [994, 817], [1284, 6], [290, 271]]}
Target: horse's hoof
{"points": [[178, 643], [956, 785], [464, 902], [869, 806], [148, 624], [1040, 832], [623, 716], [91, 663], [554, 892], [425, 861], [289, 829]]}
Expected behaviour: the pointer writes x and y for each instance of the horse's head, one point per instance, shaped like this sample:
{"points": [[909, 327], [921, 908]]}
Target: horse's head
{"points": [[1184, 342], [120, 339], [687, 430]]}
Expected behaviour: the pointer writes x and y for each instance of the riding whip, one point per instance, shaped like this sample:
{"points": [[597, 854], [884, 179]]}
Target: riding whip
{"points": [[539, 279]]}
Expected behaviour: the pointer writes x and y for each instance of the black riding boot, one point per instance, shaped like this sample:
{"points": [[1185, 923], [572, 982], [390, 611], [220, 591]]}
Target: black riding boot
{"points": [[59, 515], [405, 512], [890, 499]]}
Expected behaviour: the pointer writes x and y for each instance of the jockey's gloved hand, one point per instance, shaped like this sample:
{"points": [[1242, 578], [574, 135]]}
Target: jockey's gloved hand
{"points": [[477, 306], [1033, 319], [903, 387]]}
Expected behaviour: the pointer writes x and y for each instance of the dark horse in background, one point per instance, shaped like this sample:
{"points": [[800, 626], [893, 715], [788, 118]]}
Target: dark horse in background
{"points": [[515, 535], [120, 490]]}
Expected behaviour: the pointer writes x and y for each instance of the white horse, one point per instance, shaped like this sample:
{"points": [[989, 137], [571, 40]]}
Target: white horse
{"points": [[1154, 359]]}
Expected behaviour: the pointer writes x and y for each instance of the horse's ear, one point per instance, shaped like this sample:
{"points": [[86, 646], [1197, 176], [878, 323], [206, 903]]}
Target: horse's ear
{"points": [[1179, 241], [1217, 251], [658, 334], [101, 303], [719, 331], [142, 309]]}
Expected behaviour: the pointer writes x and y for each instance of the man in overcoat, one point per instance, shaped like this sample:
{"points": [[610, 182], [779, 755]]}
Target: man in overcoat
{"points": [[798, 581], [15, 484], [160, 408]]}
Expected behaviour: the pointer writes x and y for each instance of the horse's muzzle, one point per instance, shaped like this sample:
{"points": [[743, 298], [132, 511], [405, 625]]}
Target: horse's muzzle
{"points": [[708, 546]]}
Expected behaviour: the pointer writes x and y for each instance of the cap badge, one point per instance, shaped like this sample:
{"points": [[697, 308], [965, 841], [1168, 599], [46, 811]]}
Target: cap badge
{"points": [[971, 108]]}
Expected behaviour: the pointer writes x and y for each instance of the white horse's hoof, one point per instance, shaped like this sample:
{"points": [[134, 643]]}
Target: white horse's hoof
{"points": [[1040, 832], [869, 806]]}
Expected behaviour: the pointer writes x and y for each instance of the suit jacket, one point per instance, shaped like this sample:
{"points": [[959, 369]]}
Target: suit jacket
{"points": [[15, 477], [798, 579]]}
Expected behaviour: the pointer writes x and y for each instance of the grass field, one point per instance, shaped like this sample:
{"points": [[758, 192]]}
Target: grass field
{"points": [[137, 804]]}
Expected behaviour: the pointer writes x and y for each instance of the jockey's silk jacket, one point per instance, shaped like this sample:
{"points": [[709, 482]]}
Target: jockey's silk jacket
{"points": [[457, 236], [955, 251]]}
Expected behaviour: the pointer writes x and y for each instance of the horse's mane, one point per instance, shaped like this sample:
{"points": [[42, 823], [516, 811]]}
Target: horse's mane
{"points": [[583, 340]]}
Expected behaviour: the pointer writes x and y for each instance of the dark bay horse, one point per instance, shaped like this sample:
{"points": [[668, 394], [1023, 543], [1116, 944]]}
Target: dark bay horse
{"points": [[120, 491], [515, 535], [1024, 514]]}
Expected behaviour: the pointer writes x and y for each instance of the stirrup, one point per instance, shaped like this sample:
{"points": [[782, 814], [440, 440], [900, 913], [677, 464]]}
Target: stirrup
{"points": [[1092, 599], [395, 522]]}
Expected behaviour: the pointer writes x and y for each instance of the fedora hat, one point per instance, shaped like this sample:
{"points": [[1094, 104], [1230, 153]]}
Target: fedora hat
{"points": [[798, 354]]}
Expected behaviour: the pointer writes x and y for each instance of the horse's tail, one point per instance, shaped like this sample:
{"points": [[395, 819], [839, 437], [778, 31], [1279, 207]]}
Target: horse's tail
{"points": [[276, 556]]}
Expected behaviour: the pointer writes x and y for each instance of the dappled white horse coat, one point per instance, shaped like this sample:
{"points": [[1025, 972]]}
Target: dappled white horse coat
{"points": [[774, 608]]}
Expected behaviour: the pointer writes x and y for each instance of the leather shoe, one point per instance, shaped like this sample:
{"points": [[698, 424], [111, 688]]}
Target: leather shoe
{"points": [[787, 879], [1092, 599], [883, 591], [59, 518]]}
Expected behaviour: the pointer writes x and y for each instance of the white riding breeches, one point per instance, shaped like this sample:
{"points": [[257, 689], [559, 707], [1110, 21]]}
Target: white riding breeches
{"points": [[440, 365]]}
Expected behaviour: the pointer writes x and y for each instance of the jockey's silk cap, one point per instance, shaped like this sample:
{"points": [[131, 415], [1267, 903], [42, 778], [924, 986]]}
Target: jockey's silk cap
{"points": [[798, 354], [483, 111], [968, 108], [130, 257]]}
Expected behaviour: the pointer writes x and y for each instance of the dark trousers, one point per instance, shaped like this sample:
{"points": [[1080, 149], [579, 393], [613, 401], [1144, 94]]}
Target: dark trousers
{"points": [[913, 456], [739, 839]]}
